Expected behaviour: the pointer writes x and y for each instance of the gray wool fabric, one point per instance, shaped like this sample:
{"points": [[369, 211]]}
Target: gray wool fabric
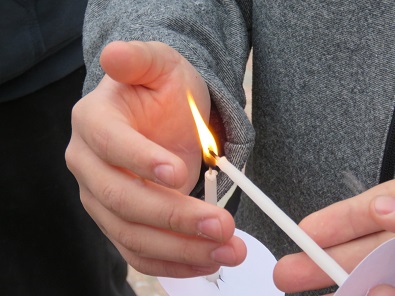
{"points": [[323, 90]]}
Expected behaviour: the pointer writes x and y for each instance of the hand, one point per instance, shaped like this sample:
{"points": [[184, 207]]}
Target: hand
{"points": [[135, 153], [383, 290], [348, 230]]}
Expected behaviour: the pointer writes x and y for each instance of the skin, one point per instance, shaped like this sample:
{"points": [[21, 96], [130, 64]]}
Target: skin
{"points": [[383, 290], [348, 230], [135, 153]]}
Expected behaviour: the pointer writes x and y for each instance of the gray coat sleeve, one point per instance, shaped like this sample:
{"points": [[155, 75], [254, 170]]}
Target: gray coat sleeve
{"points": [[213, 35]]}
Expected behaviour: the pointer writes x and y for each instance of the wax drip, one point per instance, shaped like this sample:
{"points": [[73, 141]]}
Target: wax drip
{"points": [[215, 277]]}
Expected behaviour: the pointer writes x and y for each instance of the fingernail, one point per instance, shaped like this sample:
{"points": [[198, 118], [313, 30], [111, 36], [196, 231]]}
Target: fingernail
{"points": [[384, 205], [224, 255], [210, 228], [165, 174]]}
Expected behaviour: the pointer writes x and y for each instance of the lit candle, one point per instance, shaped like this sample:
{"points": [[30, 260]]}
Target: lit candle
{"points": [[208, 144], [210, 177], [305, 242]]}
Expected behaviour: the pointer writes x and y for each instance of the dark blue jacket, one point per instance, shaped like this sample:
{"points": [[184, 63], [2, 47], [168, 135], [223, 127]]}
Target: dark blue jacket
{"points": [[40, 42]]}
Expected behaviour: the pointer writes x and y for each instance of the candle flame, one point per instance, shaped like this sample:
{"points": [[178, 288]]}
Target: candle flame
{"points": [[206, 138]]}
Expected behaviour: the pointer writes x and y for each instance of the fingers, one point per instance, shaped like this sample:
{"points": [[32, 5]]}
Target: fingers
{"points": [[348, 219], [159, 230], [141, 201], [164, 268], [191, 265], [138, 63], [112, 138], [349, 230], [297, 272], [382, 290], [158, 244]]}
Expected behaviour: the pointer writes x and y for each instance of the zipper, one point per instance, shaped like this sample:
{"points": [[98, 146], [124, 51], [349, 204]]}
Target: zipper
{"points": [[388, 164]]}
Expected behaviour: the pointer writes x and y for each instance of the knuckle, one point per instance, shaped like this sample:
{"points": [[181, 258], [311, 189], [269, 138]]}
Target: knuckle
{"points": [[130, 242], [69, 157], [354, 227], [186, 254], [114, 197], [76, 112], [72, 156], [90, 126], [101, 138], [173, 218]]}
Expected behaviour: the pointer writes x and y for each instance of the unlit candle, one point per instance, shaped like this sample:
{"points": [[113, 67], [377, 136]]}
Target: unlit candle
{"points": [[210, 186], [210, 196]]}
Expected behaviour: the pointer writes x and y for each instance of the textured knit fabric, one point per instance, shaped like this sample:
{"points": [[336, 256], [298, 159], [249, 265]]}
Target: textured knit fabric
{"points": [[323, 90], [323, 99]]}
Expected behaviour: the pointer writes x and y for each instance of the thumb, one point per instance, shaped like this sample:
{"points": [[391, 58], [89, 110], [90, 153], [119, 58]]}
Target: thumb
{"points": [[139, 63], [383, 290], [383, 211]]}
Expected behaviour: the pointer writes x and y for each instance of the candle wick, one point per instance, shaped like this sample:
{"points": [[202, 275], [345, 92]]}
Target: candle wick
{"points": [[213, 154], [210, 170]]}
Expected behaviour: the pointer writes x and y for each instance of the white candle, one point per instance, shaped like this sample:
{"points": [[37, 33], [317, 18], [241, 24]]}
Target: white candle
{"points": [[210, 186], [305, 242], [210, 196]]}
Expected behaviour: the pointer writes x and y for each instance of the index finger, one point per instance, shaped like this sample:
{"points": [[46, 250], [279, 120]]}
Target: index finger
{"points": [[136, 200], [112, 138], [347, 219]]}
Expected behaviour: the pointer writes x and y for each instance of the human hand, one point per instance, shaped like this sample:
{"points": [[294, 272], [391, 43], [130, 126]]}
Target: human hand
{"points": [[382, 290], [135, 153], [348, 230]]}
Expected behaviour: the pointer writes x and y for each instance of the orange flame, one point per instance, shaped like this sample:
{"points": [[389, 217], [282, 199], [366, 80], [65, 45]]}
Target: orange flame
{"points": [[206, 138]]}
